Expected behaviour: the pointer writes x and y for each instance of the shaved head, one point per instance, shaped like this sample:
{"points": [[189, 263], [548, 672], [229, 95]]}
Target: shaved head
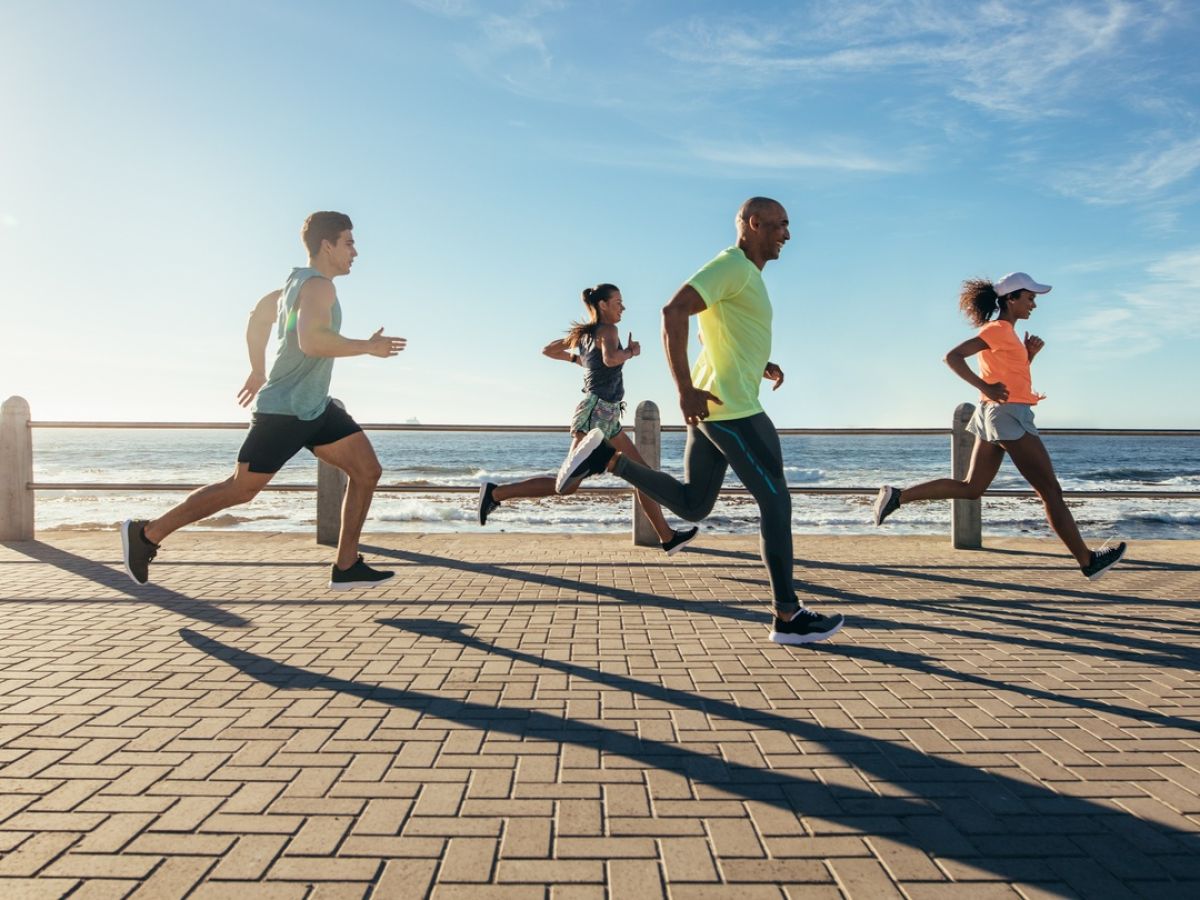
{"points": [[755, 206]]}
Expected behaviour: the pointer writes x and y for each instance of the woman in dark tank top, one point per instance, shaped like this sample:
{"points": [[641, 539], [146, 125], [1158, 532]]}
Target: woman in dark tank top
{"points": [[602, 357]]}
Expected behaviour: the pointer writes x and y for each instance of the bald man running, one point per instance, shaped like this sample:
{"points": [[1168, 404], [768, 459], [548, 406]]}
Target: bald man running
{"points": [[719, 399]]}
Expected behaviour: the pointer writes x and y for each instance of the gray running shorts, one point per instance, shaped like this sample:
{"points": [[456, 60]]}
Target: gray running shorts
{"points": [[995, 422]]}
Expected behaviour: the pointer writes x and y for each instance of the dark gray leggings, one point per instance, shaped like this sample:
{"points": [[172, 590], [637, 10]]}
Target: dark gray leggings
{"points": [[751, 447]]}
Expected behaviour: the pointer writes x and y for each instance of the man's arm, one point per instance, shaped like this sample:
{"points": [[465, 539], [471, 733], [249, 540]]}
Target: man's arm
{"points": [[686, 303], [258, 333], [315, 333]]}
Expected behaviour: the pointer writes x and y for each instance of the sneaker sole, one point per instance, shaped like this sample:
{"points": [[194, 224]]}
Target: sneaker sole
{"points": [[794, 639], [682, 544], [582, 450], [1096, 576], [347, 585], [880, 505], [479, 506], [125, 527]]}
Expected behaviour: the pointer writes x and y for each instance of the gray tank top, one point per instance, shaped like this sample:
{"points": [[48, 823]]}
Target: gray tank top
{"points": [[603, 381], [298, 384]]}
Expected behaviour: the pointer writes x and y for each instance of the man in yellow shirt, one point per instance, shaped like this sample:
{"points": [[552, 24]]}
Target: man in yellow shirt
{"points": [[719, 399]]}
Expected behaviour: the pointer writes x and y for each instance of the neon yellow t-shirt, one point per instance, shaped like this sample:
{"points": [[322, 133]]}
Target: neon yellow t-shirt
{"points": [[735, 334]]}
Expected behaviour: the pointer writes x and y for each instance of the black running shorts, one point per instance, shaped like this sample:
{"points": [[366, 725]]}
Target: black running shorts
{"points": [[274, 439]]}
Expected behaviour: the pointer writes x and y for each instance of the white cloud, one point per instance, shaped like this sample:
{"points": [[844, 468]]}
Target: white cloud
{"points": [[1129, 180], [1142, 319], [1024, 59], [780, 157], [502, 28], [8, 220]]}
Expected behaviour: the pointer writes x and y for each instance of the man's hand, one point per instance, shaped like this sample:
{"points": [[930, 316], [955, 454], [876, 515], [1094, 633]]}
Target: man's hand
{"points": [[633, 346], [254, 381], [383, 346], [996, 392], [773, 373], [1033, 344], [694, 404]]}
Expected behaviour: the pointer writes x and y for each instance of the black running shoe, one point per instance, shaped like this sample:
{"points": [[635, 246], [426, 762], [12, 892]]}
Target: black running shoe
{"points": [[137, 551], [886, 503], [680, 540], [589, 457], [806, 627], [358, 575], [1102, 561], [486, 502]]}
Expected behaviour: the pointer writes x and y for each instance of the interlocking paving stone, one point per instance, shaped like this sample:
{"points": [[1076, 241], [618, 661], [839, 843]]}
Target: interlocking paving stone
{"points": [[572, 716]]}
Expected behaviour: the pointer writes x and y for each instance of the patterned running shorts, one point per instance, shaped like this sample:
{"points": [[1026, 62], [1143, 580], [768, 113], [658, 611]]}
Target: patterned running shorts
{"points": [[592, 412]]}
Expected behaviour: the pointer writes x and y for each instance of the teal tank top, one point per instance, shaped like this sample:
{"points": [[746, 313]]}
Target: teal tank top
{"points": [[298, 384]]}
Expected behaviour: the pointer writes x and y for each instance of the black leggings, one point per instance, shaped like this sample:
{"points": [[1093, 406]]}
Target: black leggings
{"points": [[751, 447]]}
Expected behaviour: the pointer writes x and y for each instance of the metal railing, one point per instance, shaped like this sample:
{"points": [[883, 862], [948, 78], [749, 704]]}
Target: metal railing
{"points": [[18, 488]]}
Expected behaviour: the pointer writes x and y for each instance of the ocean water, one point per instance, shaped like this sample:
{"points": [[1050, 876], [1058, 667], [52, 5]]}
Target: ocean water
{"points": [[468, 459]]}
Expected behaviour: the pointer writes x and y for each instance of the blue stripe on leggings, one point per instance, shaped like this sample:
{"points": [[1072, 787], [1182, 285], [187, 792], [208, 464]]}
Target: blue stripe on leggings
{"points": [[746, 450]]}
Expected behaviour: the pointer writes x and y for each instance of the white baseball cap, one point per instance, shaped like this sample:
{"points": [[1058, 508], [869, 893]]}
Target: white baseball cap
{"points": [[1018, 281]]}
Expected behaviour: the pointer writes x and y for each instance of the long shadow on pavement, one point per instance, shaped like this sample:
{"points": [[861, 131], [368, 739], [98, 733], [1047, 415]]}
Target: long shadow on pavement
{"points": [[1119, 641], [1168, 655], [1014, 829], [758, 614], [102, 575]]}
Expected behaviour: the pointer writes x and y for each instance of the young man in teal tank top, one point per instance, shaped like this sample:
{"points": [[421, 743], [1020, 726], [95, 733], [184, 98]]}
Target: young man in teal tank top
{"points": [[727, 427], [292, 407]]}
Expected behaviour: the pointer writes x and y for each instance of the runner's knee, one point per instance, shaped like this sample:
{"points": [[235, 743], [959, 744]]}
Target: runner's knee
{"points": [[1049, 493], [974, 491], [243, 491], [367, 472]]}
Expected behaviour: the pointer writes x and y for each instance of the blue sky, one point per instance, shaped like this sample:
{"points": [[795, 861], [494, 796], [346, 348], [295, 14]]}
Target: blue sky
{"points": [[157, 160]]}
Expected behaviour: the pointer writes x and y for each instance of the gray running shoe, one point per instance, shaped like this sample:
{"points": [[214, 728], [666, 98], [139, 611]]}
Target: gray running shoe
{"points": [[136, 551], [1102, 561], [486, 502], [357, 576], [887, 501], [806, 627]]}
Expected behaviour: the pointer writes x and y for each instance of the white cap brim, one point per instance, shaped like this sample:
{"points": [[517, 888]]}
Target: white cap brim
{"points": [[1018, 281]]}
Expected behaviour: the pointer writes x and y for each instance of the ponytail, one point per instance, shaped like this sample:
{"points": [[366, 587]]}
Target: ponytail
{"points": [[592, 298], [979, 300]]}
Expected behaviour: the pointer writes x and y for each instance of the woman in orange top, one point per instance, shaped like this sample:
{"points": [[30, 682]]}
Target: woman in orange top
{"points": [[1003, 423]]}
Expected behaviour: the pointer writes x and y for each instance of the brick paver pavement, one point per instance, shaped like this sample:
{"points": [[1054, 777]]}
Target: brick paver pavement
{"points": [[544, 716]]}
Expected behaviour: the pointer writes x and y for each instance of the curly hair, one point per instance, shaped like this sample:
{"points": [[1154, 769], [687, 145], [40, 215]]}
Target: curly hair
{"points": [[979, 300]]}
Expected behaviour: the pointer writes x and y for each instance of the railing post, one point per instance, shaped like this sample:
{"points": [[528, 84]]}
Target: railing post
{"points": [[331, 488], [647, 437], [966, 519], [16, 471]]}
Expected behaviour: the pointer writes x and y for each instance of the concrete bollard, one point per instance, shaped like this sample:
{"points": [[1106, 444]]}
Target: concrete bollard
{"points": [[966, 519], [331, 489], [647, 437], [16, 471]]}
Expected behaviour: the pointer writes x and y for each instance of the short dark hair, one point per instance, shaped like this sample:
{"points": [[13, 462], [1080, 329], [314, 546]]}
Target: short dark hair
{"points": [[323, 226]]}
